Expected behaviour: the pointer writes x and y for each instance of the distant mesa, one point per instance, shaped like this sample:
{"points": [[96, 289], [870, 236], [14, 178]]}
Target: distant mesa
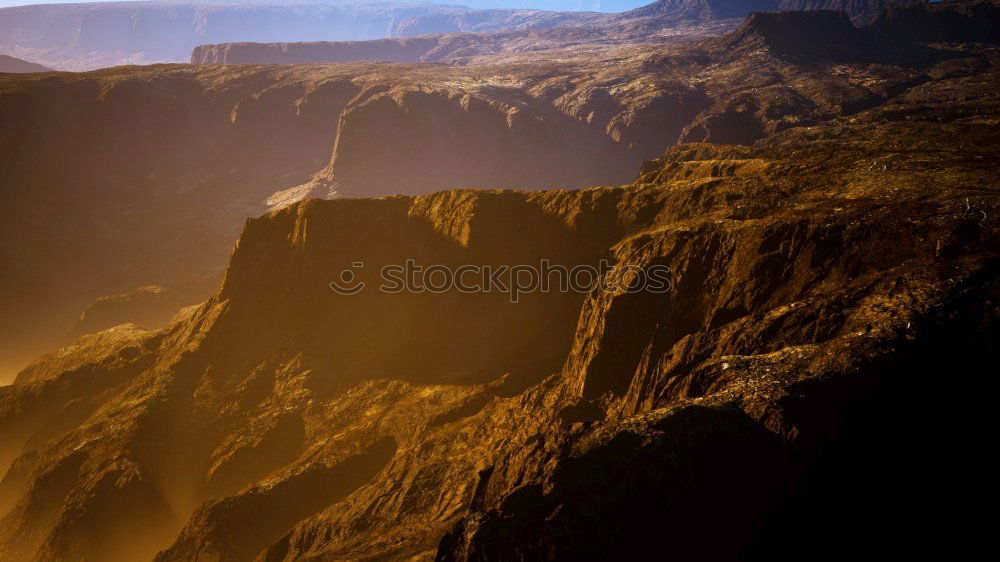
{"points": [[16, 66], [403, 50]]}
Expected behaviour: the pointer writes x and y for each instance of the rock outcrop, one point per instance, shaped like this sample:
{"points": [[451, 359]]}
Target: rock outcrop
{"points": [[828, 285]]}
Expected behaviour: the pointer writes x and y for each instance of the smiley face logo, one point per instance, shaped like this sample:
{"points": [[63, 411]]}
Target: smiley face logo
{"points": [[347, 284]]}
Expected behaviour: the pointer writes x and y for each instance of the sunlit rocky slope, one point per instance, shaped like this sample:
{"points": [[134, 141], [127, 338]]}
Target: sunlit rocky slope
{"points": [[834, 295]]}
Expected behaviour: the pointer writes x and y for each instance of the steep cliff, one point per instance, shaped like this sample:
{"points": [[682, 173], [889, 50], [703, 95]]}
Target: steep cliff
{"points": [[829, 286]]}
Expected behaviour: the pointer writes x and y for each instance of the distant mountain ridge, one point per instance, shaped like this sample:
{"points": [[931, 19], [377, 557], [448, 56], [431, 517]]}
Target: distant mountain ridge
{"points": [[86, 36], [861, 11], [703, 9], [12, 64], [682, 19]]}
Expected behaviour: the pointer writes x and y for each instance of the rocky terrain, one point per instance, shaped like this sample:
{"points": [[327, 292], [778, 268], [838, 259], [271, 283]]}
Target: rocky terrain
{"points": [[155, 198], [830, 225]]}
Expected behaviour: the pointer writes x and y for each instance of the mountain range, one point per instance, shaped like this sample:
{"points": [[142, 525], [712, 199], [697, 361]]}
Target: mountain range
{"points": [[86, 36]]}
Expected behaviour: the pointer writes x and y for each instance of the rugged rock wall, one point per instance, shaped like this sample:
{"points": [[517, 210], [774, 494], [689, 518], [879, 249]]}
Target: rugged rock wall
{"points": [[826, 284]]}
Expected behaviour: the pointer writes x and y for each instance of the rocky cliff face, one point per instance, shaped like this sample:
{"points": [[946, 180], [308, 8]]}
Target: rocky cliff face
{"points": [[827, 284]]}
